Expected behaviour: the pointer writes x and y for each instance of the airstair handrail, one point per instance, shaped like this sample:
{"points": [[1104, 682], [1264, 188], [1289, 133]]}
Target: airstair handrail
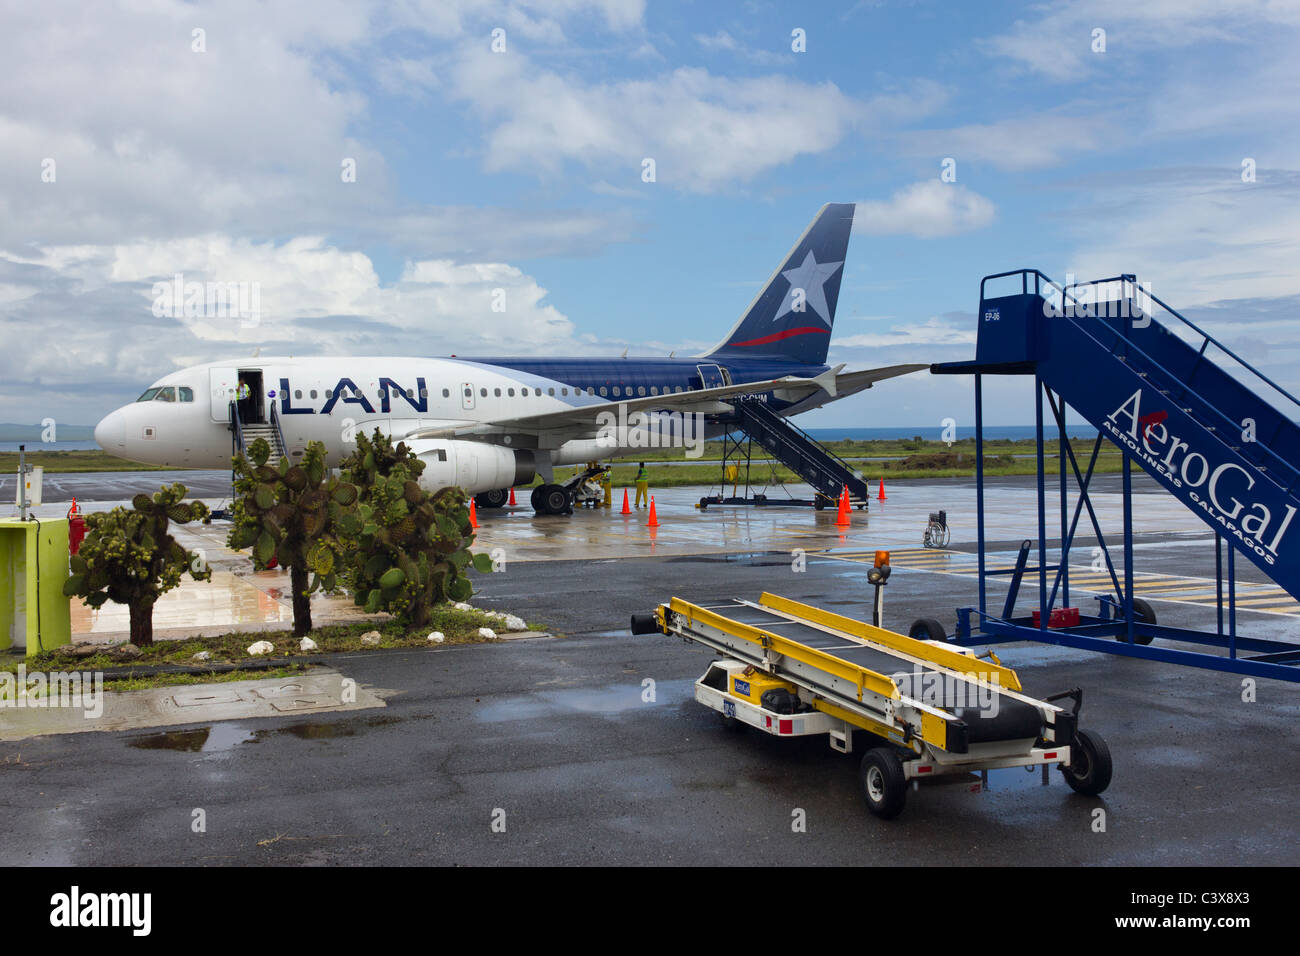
{"points": [[1171, 377], [279, 432], [803, 434], [1209, 339]]}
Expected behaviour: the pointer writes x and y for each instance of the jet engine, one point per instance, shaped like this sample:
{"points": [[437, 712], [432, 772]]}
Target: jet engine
{"points": [[473, 465]]}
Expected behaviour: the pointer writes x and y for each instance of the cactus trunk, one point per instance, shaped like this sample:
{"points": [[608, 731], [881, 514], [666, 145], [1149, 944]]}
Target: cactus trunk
{"points": [[301, 601], [141, 624]]}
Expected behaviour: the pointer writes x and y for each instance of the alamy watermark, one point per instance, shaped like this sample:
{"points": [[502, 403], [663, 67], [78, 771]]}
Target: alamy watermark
{"points": [[1103, 300], [37, 689], [179, 299], [639, 429], [948, 691]]}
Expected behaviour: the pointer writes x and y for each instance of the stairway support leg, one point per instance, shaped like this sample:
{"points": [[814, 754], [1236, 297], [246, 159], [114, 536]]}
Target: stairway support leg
{"points": [[1218, 577], [1128, 547], [1232, 602], [1042, 507], [1067, 539], [979, 489]]}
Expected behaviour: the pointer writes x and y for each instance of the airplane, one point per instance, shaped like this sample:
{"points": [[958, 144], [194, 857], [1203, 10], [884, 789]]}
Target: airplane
{"points": [[490, 424]]}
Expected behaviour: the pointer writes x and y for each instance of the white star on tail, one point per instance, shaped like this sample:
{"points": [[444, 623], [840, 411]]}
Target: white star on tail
{"points": [[810, 277]]}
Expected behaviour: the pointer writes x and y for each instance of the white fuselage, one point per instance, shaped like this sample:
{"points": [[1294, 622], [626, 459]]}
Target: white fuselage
{"points": [[183, 419]]}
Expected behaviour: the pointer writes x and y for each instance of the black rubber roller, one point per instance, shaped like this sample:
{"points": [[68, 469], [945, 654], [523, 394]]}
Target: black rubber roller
{"points": [[1014, 720], [645, 623]]}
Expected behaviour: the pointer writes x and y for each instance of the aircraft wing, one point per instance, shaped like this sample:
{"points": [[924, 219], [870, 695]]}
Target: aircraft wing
{"points": [[835, 384], [582, 421], [851, 383]]}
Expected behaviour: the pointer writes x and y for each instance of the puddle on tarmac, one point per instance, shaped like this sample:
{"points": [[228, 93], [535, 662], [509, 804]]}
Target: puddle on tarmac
{"points": [[1010, 778], [754, 559], [223, 737], [217, 738], [608, 701]]}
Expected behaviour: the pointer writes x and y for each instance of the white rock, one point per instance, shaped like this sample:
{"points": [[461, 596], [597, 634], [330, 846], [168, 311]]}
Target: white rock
{"points": [[487, 632], [261, 647], [202, 656], [307, 644], [462, 606], [514, 623], [371, 638], [437, 637]]}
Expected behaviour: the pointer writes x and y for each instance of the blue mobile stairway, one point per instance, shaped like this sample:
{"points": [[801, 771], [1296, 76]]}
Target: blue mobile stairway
{"points": [[818, 466], [1181, 406]]}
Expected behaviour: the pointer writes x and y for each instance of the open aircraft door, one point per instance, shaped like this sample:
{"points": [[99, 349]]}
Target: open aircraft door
{"points": [[223, 383], [713, 376]]}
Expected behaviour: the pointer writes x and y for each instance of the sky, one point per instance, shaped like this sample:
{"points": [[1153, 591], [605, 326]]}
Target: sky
{"points": [[378, 171]]}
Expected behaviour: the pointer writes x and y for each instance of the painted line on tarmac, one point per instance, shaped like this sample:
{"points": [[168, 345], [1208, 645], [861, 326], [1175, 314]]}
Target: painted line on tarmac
{"points": [[1178, 589]]}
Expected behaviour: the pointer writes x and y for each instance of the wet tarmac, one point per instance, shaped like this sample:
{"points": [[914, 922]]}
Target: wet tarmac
{"points": [[590, 748]]}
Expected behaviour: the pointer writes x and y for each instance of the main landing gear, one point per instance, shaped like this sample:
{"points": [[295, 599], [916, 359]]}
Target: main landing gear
{"points": [[492, 499], [552, 500], [546, 500]]}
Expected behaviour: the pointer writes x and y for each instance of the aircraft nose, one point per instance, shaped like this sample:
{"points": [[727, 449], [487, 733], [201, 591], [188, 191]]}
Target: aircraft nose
{"points": [[111, 432]]}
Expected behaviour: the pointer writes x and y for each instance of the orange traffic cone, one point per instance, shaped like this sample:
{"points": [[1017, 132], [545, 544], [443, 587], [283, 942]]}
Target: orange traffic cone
{"points": [[654, 518], [512, 496], [626, 510], [881, 496], [473, 515], [843, 517]]}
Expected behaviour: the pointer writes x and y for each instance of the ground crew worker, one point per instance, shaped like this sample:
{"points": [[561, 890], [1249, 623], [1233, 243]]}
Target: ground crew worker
{"points": [[642, 486], [607, 483]]}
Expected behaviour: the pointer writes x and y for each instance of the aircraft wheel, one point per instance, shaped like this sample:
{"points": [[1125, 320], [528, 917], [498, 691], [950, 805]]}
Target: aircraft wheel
{"points": [[552, 500], [492, 499]]}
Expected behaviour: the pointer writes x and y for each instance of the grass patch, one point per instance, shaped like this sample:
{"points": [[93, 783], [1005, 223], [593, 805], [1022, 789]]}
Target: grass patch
{"points": [[79, 460], [459, 627], [216, 677], [937, 462]]}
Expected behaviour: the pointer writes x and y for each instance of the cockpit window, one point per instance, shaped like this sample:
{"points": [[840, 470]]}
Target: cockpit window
{"points": [[186, 394], [148, 395], [167, 394]]}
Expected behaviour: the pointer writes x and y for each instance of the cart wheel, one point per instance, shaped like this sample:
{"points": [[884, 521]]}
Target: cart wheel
{"points": [[883, 782], [1090, 767], [1147, 615], [927, 629]]}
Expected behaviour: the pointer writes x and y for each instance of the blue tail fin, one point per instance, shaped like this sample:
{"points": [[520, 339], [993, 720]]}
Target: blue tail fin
{"points": [[792, 317]]}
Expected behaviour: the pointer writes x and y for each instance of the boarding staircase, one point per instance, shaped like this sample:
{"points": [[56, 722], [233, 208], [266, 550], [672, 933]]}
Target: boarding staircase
{"points": [[793, 447], [1203, 422], [243, 434]]}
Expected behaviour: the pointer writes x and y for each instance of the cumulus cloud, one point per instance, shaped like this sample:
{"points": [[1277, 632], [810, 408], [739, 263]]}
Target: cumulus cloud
{"points": [[1058, 44], [1198, 235], [1023, 142], [952, 329], [704, 132], [927, 210], [88, 313]]}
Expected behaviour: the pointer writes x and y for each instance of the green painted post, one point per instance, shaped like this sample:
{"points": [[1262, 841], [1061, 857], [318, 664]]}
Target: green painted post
{"points": [[34, 560]]}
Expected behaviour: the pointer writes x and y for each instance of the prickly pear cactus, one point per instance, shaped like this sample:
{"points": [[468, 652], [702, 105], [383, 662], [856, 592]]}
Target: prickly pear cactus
{"points": [[412, 547], [292, 513], [129, 556]]}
